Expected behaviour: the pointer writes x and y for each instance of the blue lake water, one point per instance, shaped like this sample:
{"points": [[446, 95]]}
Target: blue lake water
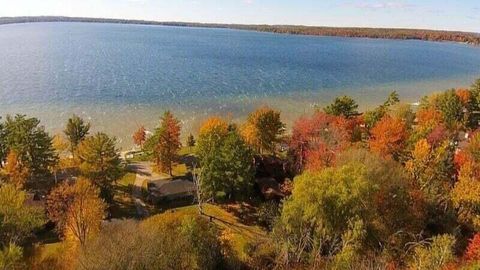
{"points": [[121, 76]]}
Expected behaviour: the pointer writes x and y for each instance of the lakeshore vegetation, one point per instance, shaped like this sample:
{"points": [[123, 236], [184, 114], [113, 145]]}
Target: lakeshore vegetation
{"points": [[395, 187], [385, 33]]}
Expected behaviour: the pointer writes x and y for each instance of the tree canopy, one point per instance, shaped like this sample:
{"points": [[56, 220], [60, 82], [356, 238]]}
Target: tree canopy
{"points": [[342, 106], [227, 165], [100, 162], [263, 129], [31, 144], [76, 131]]}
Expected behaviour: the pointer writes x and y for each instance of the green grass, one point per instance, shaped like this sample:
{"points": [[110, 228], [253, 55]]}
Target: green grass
{"points": [[180, 170], [140, 157], [127, 180], [186, 150]]}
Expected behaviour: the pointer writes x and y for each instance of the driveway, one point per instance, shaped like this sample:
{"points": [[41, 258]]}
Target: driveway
{"points": [[144, 172]]}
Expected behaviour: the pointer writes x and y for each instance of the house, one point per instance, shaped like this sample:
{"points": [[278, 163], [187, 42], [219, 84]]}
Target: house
{"points": [[170, 190]]}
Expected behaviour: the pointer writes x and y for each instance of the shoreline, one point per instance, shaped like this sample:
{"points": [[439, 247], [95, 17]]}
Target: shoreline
{"points": [[122, 119], [467, 38]]}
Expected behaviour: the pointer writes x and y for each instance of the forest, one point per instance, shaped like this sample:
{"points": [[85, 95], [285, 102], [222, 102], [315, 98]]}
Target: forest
{"points": [[394, 187], [384, 33]]}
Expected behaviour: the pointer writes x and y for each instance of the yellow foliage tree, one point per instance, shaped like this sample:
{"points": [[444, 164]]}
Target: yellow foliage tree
{"points": [[263, 129], [85, 214], [466, 195]]}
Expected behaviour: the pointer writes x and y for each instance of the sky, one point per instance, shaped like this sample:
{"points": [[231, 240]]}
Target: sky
{"points": [[461, 15]]}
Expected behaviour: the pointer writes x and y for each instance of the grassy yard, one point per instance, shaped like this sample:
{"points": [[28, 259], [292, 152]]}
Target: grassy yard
{"points": [[124, 206], [240, 235]]}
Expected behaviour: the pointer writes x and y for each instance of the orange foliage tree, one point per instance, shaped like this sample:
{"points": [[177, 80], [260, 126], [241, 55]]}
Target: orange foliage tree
{"points": [[388, 137], [168, 142], [140, 136], [464, 95], [473, 249], [215, 126], [429, 117], [17, 173]]}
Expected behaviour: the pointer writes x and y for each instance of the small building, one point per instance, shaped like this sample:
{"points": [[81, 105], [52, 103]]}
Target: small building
{"points": [[167, 191]]}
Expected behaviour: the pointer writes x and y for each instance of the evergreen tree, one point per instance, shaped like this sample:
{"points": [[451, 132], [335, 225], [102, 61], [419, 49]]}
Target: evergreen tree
{"points": [[191, 141], [76, 131], [30, 142], [226, 161], [342, 106], [100, 162]]}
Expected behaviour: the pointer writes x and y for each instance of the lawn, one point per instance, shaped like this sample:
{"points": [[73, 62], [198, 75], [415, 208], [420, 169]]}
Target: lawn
{"points": [[124, 206], [240, 235]]}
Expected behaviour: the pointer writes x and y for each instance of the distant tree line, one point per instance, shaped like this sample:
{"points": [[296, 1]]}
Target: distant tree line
{"points": [[386, 33]]}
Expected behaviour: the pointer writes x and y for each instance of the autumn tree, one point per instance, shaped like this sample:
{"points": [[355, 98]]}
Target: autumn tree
{"points": [[3, 143], [432, 169], [429, 117], [342, 106], [100, 162], [61, 146], [166, 241], [466, 195], [436, 254], [140, 136], [76, 131], [17, 218], [11, 257], [17, 173], [316, 140], [31, 144], [57, 204], [472, 253], [263, 129], [388, 137], [310, 223], [85, 213], [168, 144]]}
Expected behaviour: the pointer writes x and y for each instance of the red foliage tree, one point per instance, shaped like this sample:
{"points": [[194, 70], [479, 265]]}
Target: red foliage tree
{"points": [[316, 139], [439, 134], [140, 136]]}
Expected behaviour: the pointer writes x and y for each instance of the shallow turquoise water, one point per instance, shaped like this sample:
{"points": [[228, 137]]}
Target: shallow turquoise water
{"points": [[120, 76]]}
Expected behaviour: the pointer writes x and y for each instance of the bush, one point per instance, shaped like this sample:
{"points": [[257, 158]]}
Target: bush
{"points": [[166, 241], [436, 255], [11, 257], [268, 212]]}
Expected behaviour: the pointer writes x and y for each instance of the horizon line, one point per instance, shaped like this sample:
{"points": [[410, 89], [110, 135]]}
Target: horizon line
{"points": [[207, 24]]}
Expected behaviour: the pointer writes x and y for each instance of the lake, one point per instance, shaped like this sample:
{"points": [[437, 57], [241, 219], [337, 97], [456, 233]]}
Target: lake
{"points": [[122, 76]]}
